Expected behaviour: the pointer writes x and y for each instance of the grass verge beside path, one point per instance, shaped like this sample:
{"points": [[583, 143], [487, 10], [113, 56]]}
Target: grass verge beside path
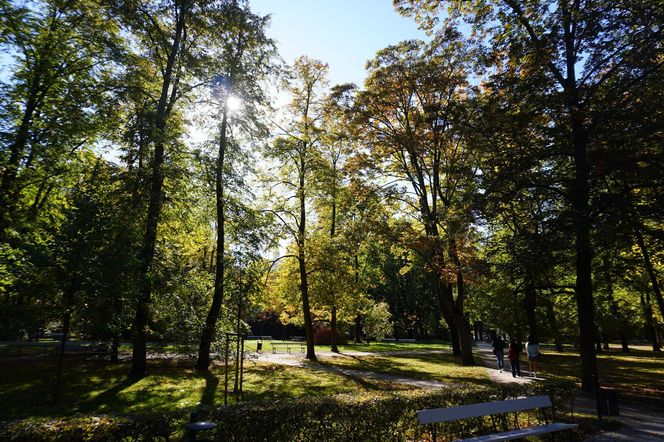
{"points": [[637, 373], [96, 386], [373, 347], [436, 367], [390, 346]]}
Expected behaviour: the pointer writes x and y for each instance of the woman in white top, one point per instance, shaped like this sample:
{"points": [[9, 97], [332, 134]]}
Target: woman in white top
{"points": [[532, 349]]}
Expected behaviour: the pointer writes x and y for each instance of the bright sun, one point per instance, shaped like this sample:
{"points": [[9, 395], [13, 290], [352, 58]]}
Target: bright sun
{"points": [[233, 103]]}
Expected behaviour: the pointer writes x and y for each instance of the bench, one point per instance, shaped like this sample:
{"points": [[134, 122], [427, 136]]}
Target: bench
{"points": [[439, 415], [288, 346]]}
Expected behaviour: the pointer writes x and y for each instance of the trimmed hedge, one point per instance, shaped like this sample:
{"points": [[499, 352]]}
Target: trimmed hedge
{"points": [[368, 417], [135, 427], [371, 417]]}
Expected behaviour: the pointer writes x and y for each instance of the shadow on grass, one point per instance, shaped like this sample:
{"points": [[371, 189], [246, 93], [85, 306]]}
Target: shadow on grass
{"points": [[107, 396], [431, 367]]}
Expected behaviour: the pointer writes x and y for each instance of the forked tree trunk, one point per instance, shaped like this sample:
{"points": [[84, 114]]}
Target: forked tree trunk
{"points": [[139, 350], [209, 330]]}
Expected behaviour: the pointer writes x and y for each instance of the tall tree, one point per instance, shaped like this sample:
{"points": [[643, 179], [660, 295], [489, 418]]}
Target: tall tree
{"points": [[297, 152], [582, 49], [412, 97], [174, 35], [245, 61], [56, 98]]}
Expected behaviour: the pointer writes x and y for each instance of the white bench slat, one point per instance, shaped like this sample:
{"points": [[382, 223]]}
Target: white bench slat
{"points": [[522, 432], [483, 409]]}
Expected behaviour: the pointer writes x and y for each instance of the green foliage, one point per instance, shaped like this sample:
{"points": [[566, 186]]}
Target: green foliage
{"points": [[378, 321], [136, 427], [368, 417]]}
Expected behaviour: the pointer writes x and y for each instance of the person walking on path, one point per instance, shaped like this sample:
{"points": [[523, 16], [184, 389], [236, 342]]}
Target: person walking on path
{"points": [[499, 351], [532, 349], [513, 355]]}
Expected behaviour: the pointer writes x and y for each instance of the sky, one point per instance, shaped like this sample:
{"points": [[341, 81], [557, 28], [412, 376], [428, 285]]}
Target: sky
{"points": [[343, 33]]}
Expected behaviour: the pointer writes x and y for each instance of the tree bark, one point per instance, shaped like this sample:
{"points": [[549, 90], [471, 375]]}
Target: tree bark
{"points": [[651, 325], [530, 303], [583, 290], [301, 259], [358, 329], [209, 330], [460, 319], [651, 271], [139, 350], [66, 321], [553, 323], [447, 316], [115, 344], [333, 326]]}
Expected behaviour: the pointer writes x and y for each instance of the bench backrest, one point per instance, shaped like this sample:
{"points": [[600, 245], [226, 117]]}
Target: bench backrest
{"points": [[484, 409]]}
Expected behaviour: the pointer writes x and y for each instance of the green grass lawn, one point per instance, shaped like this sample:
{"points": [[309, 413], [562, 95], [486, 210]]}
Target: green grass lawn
{"points": [[373, 347], [389, 346], [96, 386], [639, 372], [436, 367]]}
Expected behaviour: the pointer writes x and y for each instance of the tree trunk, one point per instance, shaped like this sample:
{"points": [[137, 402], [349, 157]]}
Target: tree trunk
{"points": [[8, 194], [651, 324], [583, 290], [139, 350], [465, 340], [530, 303], [624, 343], [209, 330], [58, 373], [447, 316], [115, 344], [333, 226], [580, 201], [333, 326], [462, 323], [358, 329], [616, 314], [66, 321], [651, 271], [551, 316], [461, 327], [301, 259]]}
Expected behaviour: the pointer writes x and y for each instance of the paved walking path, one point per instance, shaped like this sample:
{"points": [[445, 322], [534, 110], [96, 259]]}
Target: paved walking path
{"points": [[642, 422], [488, 359]]}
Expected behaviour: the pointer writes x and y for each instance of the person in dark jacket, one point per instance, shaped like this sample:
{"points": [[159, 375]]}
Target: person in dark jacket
{"points": [[513, 355], [499, 351]]}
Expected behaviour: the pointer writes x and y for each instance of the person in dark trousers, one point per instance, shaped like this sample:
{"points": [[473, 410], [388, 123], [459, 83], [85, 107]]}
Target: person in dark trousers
{"points": [[499, 351], [513, 355]]}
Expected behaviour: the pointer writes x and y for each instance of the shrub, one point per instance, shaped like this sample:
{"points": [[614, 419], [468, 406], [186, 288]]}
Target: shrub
{"points": [[378, 321], [323, 336], [367, 417], [136, 427]]}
